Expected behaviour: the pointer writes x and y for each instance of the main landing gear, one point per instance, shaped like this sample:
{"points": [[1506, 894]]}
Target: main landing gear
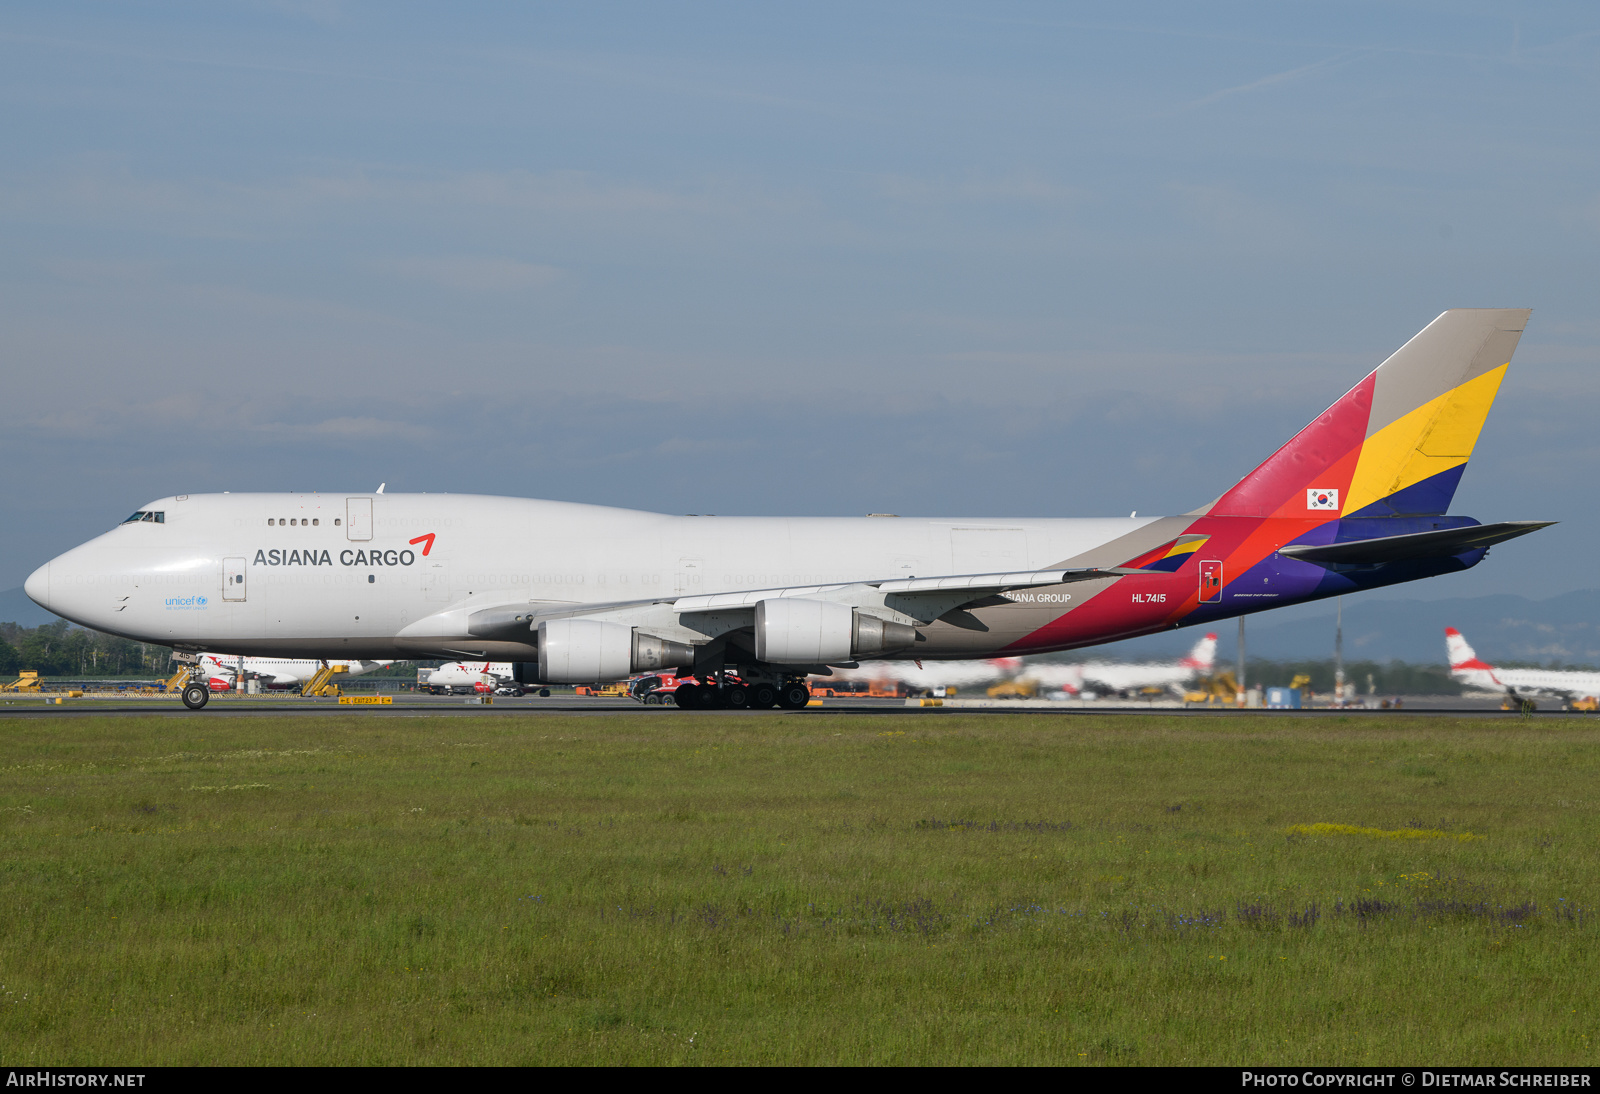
{"points": [[196, 696], [713, 694]]}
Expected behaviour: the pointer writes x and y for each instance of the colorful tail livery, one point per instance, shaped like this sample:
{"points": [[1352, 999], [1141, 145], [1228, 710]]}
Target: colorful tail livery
{"points": [[1357, 499], [1397, 442]]}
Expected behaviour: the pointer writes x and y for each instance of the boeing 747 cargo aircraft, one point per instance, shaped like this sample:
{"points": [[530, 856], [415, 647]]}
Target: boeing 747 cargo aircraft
{"points": [[583, 593]]}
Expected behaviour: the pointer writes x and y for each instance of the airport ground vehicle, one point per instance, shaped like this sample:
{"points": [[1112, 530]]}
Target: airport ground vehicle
{"points": [[569, 593], [655, 689], [713, 693], [876, 688]]}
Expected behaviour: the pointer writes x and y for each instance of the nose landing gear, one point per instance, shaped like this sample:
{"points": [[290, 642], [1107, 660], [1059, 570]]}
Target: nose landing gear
{"points": [[196, 696]]}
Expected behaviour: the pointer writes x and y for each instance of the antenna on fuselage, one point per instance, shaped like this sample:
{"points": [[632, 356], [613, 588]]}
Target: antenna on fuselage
{"points": [[381, 485]]}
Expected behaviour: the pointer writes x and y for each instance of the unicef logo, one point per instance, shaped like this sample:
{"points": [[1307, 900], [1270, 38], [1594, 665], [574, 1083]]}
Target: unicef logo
{"points": [[200, 600]]}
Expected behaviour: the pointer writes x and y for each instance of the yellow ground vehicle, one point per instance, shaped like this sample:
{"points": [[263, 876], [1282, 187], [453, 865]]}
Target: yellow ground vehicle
{"points": [[322, 683], [1220, 689], [603, 691], [1014, 689], [26, 681]]}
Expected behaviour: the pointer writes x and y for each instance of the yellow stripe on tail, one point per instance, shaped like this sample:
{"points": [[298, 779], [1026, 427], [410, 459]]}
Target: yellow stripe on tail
{"points": [[1437, 436]]}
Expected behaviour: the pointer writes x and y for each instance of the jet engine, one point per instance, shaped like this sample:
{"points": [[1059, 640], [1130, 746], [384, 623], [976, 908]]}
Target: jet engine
{"points": [[581, 651], [791, 631]]}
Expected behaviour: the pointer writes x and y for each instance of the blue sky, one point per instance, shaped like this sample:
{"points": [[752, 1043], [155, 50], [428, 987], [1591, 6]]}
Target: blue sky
{"points": [[987, 259]]}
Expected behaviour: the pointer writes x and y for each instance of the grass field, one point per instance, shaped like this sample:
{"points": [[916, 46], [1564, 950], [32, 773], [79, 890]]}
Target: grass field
{"points": [[809, 888]]}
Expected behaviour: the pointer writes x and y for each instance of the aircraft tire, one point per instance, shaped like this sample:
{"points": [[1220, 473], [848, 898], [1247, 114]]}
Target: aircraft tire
{"points": [[196, 696], [763, 697], [688, 696], [736, 697], [544, 693], [794, 696]]}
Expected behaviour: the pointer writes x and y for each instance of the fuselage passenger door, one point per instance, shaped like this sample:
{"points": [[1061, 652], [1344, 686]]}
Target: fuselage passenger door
{"points": [[233, 571], [358, 519]]}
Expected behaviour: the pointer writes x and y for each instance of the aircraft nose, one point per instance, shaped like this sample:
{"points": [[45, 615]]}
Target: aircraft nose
{"points": [[38, 586]]}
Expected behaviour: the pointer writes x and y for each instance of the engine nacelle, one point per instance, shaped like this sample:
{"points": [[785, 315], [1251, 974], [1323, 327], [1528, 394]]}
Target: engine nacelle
{"points": [[583, 651], [791, 631]]}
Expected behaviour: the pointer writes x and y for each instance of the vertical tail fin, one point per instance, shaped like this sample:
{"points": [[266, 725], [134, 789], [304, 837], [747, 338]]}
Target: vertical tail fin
{"points": [[1203, 656], [1461, 655], [1397, 442]]}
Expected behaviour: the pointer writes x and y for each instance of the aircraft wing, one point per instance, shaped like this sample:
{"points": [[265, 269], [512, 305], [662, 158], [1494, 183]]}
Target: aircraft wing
{"points": [[922, 598], [914, 601], [1440, 544]]}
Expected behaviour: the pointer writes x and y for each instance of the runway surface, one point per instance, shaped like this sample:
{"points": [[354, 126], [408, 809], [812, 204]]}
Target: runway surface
{"points": [[413, 705]]}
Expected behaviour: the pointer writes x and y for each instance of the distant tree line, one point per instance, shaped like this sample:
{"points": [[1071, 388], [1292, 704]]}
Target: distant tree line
{"points": [[63, 649], [1381, 678]]}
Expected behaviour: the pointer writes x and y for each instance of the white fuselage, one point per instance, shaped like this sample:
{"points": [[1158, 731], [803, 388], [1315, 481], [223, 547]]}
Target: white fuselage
{"points": [[396, 575], [464, 674], [1109, 676], [935, 674], [1530, 681], [277, 672]]}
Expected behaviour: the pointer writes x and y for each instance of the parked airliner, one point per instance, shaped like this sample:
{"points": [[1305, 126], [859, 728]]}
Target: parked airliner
{"points": [[221, 671], [487, 675], [1092, 677], [1109, 677], [934, 676], [1465, 666], [584, 593]]}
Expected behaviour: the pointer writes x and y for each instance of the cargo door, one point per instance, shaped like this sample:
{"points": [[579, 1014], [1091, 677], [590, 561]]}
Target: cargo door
{"points": [[1210, 582], [358, 519], [233, 571], [988, 550]]}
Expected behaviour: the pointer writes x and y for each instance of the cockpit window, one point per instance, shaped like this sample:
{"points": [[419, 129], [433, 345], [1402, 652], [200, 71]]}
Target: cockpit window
{"points": [[149, 516]]}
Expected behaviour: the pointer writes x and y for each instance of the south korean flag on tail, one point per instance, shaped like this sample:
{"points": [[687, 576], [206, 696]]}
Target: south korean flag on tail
{"points": [[1322, 499]]}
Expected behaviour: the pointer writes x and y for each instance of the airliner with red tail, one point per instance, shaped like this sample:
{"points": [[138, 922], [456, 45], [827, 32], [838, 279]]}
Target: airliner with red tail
{"points": [[1516, 683], [750, 605]]}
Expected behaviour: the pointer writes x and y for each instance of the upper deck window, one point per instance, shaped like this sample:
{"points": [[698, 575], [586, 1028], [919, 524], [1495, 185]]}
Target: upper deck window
{"points": [[147, 515]]}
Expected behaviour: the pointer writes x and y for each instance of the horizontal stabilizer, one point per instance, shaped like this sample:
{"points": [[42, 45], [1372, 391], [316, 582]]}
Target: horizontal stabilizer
{"points": [[1440, 544]]}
